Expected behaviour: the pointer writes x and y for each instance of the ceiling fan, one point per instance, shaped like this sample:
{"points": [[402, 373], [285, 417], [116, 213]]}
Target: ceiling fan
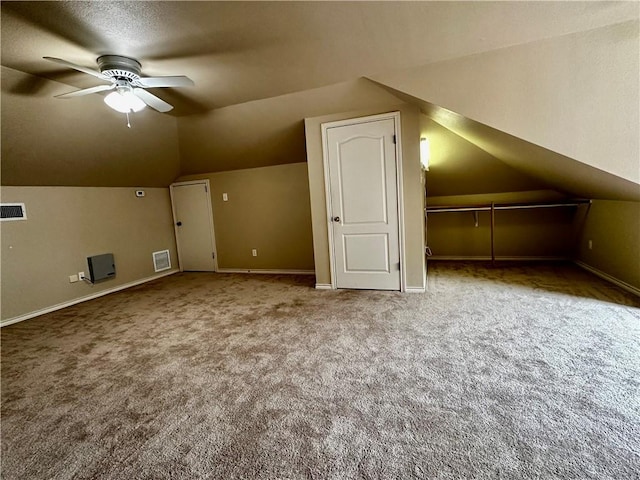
{"points": [[123, 75]]}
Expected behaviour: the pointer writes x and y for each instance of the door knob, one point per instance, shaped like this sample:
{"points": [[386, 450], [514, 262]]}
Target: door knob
{"points": [[336, 219], [179, 224]]}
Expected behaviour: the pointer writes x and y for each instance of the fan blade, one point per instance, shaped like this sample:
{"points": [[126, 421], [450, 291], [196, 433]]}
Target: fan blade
{"points": [[86, 91], [80, 68], [153, 101], [156, 82]]}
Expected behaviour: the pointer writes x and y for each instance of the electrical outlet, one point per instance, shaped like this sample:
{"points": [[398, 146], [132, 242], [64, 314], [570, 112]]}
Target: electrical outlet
{"points": [[73, 278], [225, 197], [254, 252], [590, 244], [81, 275]]}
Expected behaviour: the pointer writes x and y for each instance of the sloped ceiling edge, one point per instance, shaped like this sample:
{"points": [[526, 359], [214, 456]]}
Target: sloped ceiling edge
{"points": [[559, 171]]}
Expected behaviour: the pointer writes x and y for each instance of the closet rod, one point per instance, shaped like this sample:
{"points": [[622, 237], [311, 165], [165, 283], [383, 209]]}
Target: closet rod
{"points": [[456, 209], [505, 206]]}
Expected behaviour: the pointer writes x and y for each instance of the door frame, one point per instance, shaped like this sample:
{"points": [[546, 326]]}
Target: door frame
{"points": [[207, 185], [395, 116]]}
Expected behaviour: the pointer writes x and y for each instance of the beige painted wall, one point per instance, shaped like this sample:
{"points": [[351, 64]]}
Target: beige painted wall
{"points": [[522, 234], [64, 226], [267, 209], [269, 131], [80, 141], [577, 95], [539, 233], [614, 229], [413, 186]]}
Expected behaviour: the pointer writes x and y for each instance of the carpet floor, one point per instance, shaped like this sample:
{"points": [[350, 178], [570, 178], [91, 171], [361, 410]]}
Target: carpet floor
{"points": [[519, 372]]}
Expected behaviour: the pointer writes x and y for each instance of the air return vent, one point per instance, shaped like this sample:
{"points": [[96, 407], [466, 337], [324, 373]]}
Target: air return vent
{"points": [[13, 211], [161, 260]]}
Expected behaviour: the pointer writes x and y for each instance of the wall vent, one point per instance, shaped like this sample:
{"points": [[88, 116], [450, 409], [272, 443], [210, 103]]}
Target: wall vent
{"points": [[13, 211], [161, 260]]}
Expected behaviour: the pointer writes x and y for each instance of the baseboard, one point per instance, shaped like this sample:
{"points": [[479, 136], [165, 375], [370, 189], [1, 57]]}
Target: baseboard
{"points": [[462, 258], [327, 286], [485, 258], [269, 271], [86, 298], [415, 290], [609, 278]]}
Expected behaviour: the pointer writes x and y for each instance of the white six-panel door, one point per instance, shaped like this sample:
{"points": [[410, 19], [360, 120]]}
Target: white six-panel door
{"points": [[363, 194]]}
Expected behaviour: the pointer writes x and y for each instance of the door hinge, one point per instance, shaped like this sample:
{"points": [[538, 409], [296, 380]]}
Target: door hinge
{"points": [[213, 255], [206, 190], [394, 139]]}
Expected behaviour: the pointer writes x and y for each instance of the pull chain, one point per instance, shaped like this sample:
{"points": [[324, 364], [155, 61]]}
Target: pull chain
{"points": [[128, 122]]}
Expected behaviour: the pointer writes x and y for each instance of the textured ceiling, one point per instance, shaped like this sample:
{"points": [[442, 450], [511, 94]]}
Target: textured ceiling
{"points": [[260, 68], [242, 51]]}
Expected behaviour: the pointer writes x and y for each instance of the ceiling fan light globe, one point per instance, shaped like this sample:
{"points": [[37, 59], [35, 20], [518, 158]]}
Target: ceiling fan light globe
{"points": [[135, 102], [117, 102], [124, 102]]}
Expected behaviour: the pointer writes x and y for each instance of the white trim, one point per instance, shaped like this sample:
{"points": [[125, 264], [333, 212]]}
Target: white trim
{"points": [[267, 271], [327, 198], [457, 257], [485, 258], [415, 289], [395, 116], [324, 286], [102, 293], [360, 120], [15, 204], [400, 200], [609, 278], [207, 185]]}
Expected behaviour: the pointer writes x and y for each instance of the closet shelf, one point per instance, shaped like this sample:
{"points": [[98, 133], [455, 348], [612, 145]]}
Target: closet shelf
{"points": [[505, 206], [492, 207]]}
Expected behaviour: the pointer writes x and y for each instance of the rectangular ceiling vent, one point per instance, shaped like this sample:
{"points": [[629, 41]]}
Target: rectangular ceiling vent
{"points": [[13, 211], [161, 260]]}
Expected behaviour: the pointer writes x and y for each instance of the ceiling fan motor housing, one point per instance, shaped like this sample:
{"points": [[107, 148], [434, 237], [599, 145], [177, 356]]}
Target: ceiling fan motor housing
{"points": [[118, 67], [123, 74]]}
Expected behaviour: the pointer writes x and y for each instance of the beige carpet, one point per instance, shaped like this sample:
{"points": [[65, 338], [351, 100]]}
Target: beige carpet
{"points": [[521, 372]]}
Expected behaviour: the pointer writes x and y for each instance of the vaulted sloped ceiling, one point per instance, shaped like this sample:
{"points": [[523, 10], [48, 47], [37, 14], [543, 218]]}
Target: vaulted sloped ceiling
{"points": [[460, 167], [270, 131], [242, 51], [564, 110], [521, 165], [544, 72], [557, 171]]}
